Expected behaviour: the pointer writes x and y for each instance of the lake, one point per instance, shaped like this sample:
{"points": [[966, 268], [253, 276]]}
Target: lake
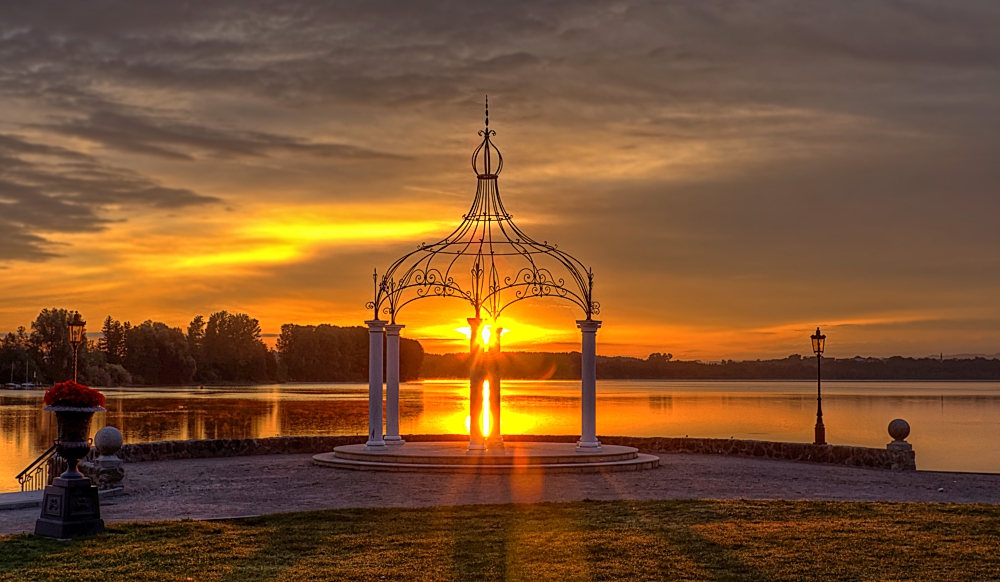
{"points": [[955, 425]]}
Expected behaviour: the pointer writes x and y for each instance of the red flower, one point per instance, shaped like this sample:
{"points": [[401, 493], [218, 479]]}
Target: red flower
{"points": [[72, 394]]}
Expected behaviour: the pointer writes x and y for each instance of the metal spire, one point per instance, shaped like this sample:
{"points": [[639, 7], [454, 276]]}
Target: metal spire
{"points": [[487, 260]]}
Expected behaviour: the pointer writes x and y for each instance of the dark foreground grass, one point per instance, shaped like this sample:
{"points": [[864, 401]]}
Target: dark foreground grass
{"points": [[620, 540]]}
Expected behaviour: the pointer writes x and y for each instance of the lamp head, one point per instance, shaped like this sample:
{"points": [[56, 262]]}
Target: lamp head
{"points": [[76, 326], [818, 341]]}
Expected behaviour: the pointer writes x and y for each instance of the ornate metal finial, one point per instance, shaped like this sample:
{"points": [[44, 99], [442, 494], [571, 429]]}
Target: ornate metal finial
{"points": [[486, 160]]}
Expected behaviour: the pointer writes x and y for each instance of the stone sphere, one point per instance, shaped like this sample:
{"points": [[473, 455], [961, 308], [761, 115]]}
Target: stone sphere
{"points": [[108, 440], [899, 429]]}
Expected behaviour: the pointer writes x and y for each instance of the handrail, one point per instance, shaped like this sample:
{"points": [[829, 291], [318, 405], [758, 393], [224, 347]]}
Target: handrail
{"points": [[34, 477]]}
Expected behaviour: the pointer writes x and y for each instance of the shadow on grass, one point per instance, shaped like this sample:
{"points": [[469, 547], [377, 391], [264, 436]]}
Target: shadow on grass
{"points": [[479, 541], [661, 542], [282, 548], [607, 540], [350, 544]]}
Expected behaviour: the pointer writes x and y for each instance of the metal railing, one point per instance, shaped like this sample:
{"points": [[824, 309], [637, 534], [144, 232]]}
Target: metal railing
{"points": [[40, 472]]}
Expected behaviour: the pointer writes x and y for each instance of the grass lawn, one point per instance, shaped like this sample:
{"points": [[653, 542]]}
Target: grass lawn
{"points": [[617, 540]]}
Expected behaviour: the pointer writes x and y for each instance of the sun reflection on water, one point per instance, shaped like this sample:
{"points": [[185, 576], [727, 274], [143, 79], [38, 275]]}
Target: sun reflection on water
{"points": [[953, 424]]}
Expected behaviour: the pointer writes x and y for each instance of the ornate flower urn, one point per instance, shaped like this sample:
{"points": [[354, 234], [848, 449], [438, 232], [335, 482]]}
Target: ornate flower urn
{"points": [[74, 439], [71, 505]]}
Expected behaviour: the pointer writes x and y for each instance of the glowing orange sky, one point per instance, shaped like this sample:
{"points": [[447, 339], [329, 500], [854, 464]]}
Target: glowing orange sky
{"points": [[734, 177]]}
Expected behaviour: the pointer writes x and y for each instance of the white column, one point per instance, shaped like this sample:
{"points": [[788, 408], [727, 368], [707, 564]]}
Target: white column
{"points": [[494, 440], [588, 376], [477, 440], [392, 385], [375, 442]]}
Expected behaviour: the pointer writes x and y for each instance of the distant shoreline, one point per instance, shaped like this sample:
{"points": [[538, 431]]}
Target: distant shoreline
{"points": [[635, 380]]}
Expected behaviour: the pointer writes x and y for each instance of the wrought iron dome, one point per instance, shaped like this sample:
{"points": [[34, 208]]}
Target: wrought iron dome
{"points": [[487, 260]]}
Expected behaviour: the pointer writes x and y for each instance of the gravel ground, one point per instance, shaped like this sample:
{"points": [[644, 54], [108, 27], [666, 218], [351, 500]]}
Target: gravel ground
{"points": [[240, 486]]}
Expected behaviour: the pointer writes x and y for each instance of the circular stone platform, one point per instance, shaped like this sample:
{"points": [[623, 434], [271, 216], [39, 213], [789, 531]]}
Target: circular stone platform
{"points": [[518, 457]]}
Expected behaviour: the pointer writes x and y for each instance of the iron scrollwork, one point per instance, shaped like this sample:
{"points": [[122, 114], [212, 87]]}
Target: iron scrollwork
{"points": [[486, 241]]}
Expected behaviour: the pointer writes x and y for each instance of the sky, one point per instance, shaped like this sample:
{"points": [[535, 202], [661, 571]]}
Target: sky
{"points": [[735, 174]]}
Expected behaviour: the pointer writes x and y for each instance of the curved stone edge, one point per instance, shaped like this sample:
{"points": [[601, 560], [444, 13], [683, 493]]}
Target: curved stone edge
{"points": [[456, 454], [827, 454], [641, 462]]}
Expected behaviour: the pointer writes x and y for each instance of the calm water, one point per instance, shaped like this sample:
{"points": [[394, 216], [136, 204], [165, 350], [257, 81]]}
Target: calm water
{"points": [[955, 425]]}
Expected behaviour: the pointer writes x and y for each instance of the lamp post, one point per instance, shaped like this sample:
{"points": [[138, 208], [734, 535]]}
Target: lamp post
{"points": [[819, 344], [76, 337]]}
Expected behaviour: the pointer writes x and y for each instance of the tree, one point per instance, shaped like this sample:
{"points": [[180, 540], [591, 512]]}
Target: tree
{"points": [[98, 372], [113, 342], [158, 355], [196, 337], [50, 339], [324, 353], [411, 359], [17, 358], [232, 350], [327, 353]]}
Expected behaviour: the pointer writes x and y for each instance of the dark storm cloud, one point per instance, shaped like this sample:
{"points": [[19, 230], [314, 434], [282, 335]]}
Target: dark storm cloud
{"points": [[46, 189]]}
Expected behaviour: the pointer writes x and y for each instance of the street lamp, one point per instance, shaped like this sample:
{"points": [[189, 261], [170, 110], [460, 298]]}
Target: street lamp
{"points": [[819, 344], [76, 337]]}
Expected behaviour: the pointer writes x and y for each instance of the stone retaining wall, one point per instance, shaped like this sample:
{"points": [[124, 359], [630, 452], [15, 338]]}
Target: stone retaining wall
{"points": [[829, 454]]}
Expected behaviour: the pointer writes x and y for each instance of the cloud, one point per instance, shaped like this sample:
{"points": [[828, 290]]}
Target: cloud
{"points": [[693, 153], [47, 189], [178, 141]]}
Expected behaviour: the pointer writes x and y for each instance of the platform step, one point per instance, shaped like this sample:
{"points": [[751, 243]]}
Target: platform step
{"points": [[485, 459], [638, 463], [515, 457]]}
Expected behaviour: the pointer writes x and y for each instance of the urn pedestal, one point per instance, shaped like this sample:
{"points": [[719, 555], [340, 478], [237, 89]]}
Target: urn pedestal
{"points": [[71, 506]]}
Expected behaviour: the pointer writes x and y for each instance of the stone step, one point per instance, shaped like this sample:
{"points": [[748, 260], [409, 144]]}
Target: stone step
{"points": [[20, 500], [485, 459], [638, 463], [457, 453]]}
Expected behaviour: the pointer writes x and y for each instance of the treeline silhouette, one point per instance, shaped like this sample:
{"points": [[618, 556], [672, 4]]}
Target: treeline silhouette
{"points": [[225, 348], [566, 366], [327, 353]]}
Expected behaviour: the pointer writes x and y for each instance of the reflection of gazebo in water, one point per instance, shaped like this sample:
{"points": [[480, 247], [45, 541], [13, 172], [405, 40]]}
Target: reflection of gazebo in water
{"points": [[491, 264]]}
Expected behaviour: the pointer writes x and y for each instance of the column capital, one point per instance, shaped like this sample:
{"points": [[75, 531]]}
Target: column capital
{"points": [[393, 328], [376, 324], [588, 324], [474, 320]]}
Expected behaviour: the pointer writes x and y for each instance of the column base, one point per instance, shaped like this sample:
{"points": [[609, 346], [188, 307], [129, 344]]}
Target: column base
{"points": [[394, 441], [376, 446], [476, 447], [594, 447]]}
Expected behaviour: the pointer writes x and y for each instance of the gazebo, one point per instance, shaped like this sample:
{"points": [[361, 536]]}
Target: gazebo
{"points": [[491, 264]]}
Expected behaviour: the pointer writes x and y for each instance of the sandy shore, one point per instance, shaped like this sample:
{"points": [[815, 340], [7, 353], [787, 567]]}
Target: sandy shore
{"points": [[240, 486]]}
